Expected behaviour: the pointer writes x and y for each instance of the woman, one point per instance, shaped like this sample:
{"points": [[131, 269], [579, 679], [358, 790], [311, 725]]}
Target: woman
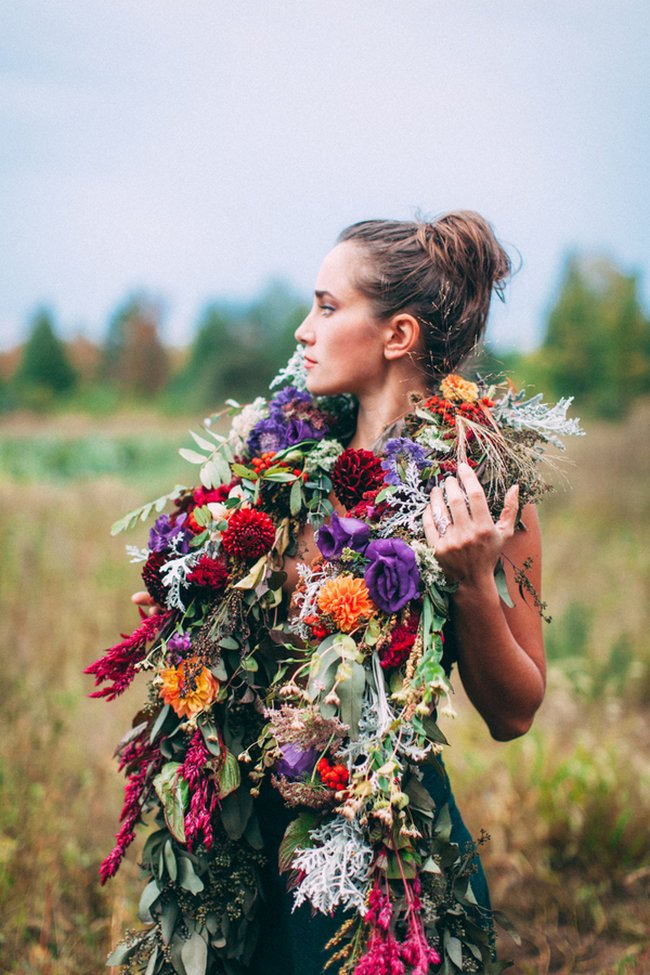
{"points": [[397, 306]]}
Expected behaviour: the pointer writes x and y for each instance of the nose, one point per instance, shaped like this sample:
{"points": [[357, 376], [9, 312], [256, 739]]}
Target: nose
{"points": [[304, 332]]}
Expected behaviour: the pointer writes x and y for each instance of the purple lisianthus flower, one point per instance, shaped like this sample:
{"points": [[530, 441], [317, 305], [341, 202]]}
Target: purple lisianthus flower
{"points": [[342, 533], [296, 761], [163, 534], [392, 575], [399, 453]]}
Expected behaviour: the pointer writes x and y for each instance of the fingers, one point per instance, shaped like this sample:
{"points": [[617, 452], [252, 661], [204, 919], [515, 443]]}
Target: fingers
{"points": [[508, 517], [147, 603]]}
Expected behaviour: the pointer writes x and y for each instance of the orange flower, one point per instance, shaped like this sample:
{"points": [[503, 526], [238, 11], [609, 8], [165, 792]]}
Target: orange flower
{"points": [[346, 600], [191, 693], [458, 390]]}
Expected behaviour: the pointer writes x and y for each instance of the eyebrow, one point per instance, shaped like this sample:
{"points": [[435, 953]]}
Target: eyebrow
{"points": [[321, 294]]}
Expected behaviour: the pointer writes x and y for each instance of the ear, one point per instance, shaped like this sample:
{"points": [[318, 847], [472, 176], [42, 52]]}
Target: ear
{"points": [[403, 336]]}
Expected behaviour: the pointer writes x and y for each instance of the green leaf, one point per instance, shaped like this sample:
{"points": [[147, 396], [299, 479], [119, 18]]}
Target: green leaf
{"points": [[168, 916], [159, 722], [150, 895], [215, 472], [194, 955], [228, 776], [151, 965], [242, 471], [255, 576], [173, 792], [502, 584], [142, 513], [454, 949], [122, 953], [295, 497], [193, 456], [170, 860], [350, 692], [210, 734], [296, 836], [201, 441], [187, 877]]}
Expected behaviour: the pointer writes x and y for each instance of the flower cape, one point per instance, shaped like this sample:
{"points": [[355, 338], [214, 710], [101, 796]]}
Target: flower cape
{"points": [[332, 703]]}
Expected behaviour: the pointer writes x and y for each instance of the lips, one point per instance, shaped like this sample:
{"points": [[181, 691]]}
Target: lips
{"points": [[309, 363]]}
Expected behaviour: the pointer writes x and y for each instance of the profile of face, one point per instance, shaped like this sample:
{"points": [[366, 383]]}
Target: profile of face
{"points": [[344, 341]]}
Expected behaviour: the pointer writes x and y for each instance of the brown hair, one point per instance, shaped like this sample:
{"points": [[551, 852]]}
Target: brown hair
{"points": [[442, 272]]}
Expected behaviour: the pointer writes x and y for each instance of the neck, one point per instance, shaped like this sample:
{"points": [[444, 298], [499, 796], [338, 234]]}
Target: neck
{"points": [[381, 408]]}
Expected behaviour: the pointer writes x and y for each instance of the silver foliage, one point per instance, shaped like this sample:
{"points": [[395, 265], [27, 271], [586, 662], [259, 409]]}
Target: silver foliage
{"points": [[336, 868], [549, 422]]}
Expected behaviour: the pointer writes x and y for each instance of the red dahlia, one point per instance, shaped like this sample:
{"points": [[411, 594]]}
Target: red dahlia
{"points": [[209, 572], [152, 578], [249, 534], [354, 473]]}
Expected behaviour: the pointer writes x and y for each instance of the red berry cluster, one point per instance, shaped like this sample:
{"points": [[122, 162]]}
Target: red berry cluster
{"points": [[266, 460], [334, 776], [319, 632], [447, 410]]}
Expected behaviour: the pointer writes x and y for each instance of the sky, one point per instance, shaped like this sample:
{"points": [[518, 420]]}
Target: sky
{"points": [[193, 150]]}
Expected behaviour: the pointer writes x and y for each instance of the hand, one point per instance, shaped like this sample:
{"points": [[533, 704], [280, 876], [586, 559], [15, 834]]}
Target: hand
{"points": [[147, 603], [459, 526]]}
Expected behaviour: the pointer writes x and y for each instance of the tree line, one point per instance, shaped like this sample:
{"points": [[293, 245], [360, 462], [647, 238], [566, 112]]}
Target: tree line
{"points": [[596, 347]]}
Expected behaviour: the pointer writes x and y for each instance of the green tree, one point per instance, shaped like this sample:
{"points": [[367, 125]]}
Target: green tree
{"points": [[134, 358], [44, 369], [597, 342], [238, 349]]}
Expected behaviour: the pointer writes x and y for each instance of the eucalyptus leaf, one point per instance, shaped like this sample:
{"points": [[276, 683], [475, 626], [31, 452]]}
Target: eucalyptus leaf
{"points": [[502, 584], [168, 917], [187, 876], [454, 949], [122, 953], [151, 964], [195, 955], [149, 896], [170, 860]]}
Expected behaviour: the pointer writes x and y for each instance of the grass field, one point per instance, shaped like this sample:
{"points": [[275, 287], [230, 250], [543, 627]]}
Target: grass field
{"points": [[566, 806]]}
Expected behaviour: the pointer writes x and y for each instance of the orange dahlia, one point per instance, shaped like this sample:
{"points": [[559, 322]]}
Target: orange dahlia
{"points": [[346, 600], [459, 390], [189, 688]]}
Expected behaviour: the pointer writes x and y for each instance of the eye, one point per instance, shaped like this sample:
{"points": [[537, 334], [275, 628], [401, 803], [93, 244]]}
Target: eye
{"points": [[327, 309]]}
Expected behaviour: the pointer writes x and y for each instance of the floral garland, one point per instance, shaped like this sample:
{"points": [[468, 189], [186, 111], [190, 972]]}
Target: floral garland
{"points": [[331, 705]]}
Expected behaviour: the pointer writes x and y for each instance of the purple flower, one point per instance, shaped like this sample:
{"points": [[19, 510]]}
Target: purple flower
{"points": [[289, 395], [392, 576], [296, 761], [178, 646], [163, 534], [278, 432], [342, 533], [399, 453]]}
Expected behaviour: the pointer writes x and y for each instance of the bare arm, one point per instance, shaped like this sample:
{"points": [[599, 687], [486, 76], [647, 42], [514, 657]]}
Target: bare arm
{"points": [[500, 650]]}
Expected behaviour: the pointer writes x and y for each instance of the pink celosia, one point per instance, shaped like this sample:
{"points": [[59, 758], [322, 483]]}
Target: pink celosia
{"points": [[119, 663]]}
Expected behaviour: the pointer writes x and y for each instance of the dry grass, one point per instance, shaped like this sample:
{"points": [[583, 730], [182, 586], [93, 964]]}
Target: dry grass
{"points": [[566, 806]]}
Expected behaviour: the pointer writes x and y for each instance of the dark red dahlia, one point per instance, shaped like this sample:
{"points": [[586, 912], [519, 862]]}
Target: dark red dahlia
{"points": [[355, 473], [209, 572], [152, 578], [249, 534]]}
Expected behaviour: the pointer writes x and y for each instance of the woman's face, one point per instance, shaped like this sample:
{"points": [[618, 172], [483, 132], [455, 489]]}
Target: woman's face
{"points": [[344, 342]]}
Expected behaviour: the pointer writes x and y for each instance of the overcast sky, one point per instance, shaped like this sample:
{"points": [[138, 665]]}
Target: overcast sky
{"points": [[195, 148]]}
